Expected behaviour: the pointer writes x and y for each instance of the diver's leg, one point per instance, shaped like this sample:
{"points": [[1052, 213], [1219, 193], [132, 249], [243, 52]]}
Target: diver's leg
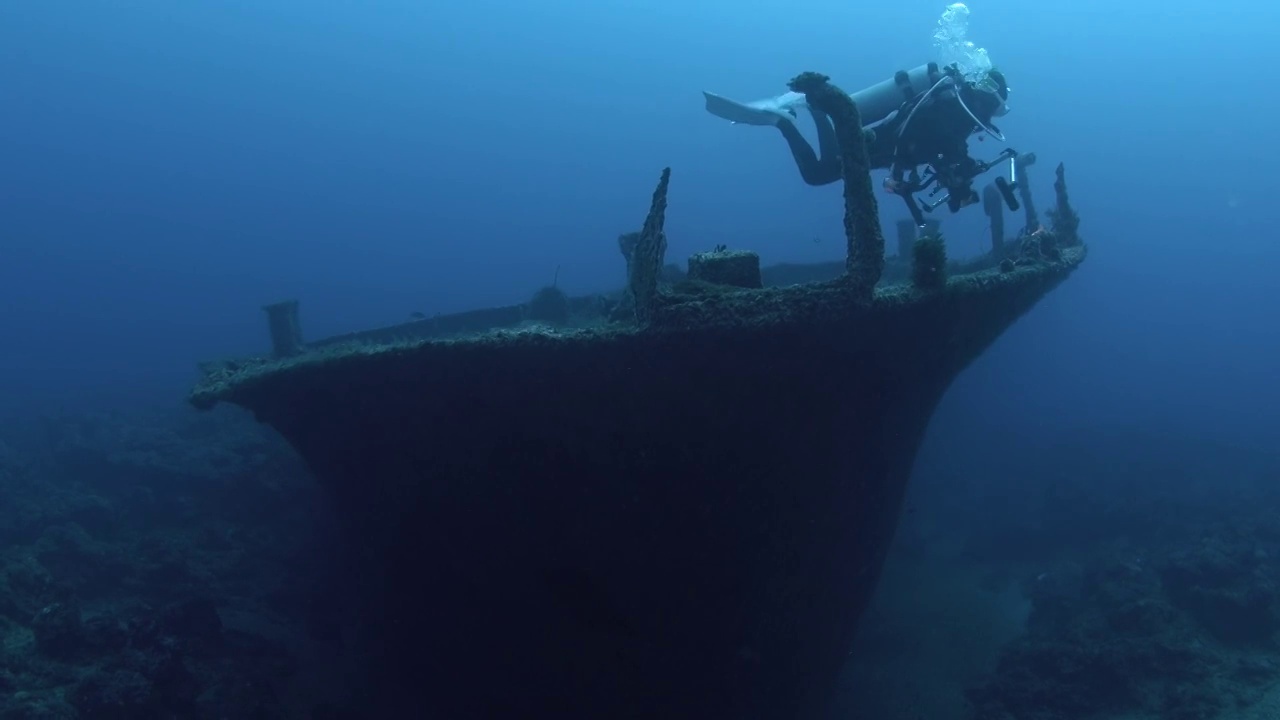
{"points": [[806, 160], [829, 169], [823, 167], [828, 144]]}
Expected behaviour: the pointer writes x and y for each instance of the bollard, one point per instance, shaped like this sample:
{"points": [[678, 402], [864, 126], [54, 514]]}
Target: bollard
{"points": [[1023, 162], [286, 332], [906, 237], [993, 208]]}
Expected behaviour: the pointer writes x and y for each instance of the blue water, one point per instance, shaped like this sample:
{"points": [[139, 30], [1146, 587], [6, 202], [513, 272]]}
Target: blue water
{"points": [[170, 167]]}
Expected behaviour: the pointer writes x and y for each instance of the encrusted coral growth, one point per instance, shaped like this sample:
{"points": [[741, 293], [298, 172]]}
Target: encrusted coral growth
{"points": [[648, 254], [865, 261], [627, 246], [929, 262], [550, 304], [1063, 219]]}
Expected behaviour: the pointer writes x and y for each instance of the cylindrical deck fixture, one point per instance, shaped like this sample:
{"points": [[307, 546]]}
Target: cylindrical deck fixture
{"points": [[906, 237], [286, 331], [733, 268], [932, 227], [993, 208], [1022, 162]]}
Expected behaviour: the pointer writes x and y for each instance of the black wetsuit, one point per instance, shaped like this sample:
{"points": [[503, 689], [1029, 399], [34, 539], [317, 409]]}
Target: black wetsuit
{"points": [[938, 132]]}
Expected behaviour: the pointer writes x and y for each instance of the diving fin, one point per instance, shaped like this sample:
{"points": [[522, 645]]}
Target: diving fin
{"points": [[757, 112]]}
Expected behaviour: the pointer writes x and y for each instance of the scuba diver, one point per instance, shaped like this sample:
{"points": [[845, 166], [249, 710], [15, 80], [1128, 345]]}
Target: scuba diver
{"points": [[916, 125]]}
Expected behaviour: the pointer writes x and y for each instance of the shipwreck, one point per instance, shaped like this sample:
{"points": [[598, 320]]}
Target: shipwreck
{"points": [[676, 505]]}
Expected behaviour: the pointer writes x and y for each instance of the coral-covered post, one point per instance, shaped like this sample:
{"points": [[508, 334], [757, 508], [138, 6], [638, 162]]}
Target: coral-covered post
{"points": [[650, 253], [865, 260], [1065, 221]]}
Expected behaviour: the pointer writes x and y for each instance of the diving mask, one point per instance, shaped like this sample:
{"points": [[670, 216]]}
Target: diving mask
{"points": [[993, 82]]}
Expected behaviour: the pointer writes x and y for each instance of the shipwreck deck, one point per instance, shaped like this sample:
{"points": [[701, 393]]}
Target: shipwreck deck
{"points": [[718, 311]]}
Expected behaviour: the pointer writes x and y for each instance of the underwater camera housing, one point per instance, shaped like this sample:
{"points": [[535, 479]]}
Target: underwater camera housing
{"points": [[955, 182]]}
